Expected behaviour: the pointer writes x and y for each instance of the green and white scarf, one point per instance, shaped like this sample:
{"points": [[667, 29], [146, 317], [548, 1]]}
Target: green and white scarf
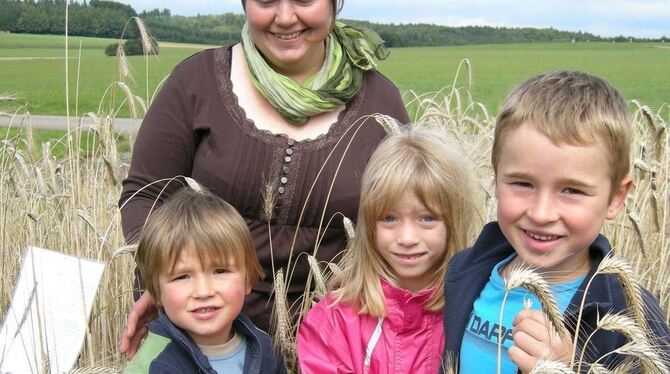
{"points": [[349, 52]]}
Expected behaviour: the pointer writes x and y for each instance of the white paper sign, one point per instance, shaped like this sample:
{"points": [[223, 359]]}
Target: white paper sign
{"points": [[46, 323]]}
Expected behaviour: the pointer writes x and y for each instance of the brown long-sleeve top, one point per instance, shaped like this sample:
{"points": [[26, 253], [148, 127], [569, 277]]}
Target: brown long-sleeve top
{"points": [[196, 128]]}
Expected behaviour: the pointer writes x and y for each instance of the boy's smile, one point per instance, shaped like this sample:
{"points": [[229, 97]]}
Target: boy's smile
{"points": [[553, 200], [203, 300]]}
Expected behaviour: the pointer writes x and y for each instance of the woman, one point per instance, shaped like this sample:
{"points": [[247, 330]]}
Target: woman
{"points": [[236, 119]]}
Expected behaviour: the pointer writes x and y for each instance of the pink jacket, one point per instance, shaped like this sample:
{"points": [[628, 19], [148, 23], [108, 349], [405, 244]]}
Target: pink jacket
{"points": [[334, 339]]}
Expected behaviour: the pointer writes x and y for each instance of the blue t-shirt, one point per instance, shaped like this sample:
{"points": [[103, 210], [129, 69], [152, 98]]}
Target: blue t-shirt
{"points": [[231, 362], [479, 350]]}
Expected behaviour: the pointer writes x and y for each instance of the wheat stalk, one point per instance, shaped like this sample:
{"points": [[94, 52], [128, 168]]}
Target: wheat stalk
{"points": [[321, 288], [349, 228], [550, 367], [617, 323], [533, 282], [632, 292], [282, 318]]}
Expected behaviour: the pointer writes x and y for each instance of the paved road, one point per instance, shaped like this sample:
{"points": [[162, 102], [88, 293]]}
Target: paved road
{"points": [[121, 125]]}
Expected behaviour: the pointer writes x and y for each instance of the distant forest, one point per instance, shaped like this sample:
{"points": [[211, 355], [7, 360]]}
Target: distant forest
{"points": [[107, 19]]}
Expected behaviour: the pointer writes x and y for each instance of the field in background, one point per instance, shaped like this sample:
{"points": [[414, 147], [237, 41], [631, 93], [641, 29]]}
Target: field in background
{"points": [[639, 70], [37, 78]]}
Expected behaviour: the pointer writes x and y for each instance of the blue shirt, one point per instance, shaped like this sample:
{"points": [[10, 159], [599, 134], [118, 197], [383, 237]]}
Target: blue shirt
{"points": [[479, 350], [232, 362]]}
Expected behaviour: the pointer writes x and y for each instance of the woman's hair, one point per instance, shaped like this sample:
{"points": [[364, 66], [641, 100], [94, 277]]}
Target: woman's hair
{"points": [[201, 221], [431, 167], [337, 5]]}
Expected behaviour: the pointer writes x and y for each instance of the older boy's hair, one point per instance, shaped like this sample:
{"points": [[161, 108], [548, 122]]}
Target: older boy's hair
{"points": [[198, 220], [572, 108], [428, 165]]}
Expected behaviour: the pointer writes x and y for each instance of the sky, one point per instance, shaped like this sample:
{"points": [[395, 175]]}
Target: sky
{"points": [[637, 18]]}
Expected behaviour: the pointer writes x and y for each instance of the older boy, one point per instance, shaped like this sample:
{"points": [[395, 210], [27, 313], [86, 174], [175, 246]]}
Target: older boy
{"points": [[561, 156], [197, 258]]}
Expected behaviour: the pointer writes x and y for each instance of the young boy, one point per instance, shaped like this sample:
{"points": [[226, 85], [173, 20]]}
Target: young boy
{"points": [[197, 258], [561, 156]]}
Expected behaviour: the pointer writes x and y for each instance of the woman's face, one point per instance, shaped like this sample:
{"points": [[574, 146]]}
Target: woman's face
{"points": [[291, 33]]}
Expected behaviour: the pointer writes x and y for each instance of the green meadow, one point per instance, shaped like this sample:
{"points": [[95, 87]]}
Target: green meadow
{"points": [[32, 67], [640, 71]]}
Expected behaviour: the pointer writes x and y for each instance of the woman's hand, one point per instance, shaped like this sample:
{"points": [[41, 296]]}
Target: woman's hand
{"points": [[143, 311], [536, 338]]}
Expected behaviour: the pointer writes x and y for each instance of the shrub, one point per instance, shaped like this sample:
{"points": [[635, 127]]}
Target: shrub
{"points": [[132, 47]]}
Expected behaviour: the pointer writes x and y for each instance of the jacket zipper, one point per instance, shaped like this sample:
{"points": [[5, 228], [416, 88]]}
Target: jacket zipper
{"points": [[258, 343], [195, 357], [444, 323]]}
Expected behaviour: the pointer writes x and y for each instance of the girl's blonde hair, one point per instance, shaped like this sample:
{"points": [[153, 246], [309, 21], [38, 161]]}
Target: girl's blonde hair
{"points": [[431, 167]]}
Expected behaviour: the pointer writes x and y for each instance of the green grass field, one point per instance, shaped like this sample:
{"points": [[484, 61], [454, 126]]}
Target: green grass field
{"points": [[640, 71], [40, 83]]}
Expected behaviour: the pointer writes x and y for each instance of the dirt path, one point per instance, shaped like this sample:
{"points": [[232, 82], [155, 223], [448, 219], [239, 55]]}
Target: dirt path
{"points": [[30, 58], [121, 125]]}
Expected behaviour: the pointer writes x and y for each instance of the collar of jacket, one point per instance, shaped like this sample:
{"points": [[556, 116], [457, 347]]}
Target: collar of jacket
{"points": [[468, 272], [242, 324], [404, 309]]}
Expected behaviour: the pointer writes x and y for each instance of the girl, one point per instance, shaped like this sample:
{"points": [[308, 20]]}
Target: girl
{"points": [[385, 315]]}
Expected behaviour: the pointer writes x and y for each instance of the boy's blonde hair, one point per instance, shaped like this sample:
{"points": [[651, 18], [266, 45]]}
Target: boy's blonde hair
{"points": [[426, 164], [198, 220], [573, 108]]}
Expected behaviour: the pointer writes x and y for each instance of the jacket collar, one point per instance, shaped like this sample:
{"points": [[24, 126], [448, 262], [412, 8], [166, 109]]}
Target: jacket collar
{"points": [[242, 324], [404, 309], [163, 326]]}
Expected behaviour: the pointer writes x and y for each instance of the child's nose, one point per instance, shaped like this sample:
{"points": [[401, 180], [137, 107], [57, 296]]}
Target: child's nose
{"points": [[203, 287], [542, 210], [408, 234]]}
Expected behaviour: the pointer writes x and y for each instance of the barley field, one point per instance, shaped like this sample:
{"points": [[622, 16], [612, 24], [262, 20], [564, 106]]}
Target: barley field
{"points": [[68, 203]]}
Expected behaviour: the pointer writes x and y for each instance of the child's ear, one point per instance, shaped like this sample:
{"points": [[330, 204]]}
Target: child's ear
{"points": [[616, 203], [248, 289]]}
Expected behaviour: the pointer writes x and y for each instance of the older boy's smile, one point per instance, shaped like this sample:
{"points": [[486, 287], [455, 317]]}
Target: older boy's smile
{"points": [[553, 200]]}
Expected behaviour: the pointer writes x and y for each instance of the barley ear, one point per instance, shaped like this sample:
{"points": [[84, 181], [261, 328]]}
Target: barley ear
{"points": [[533, 282], [194, 185], [617, 323], [321, 289], [335, 269], [389, 124], [621, 324], [283, 320], [598, 369], [650, 360], [349, 228], [550, 367], [632, 289], [450, 364], [269, 200]]}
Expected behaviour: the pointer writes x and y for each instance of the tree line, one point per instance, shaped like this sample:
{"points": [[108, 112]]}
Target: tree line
{"points": [[99, 18], [102, 18]]}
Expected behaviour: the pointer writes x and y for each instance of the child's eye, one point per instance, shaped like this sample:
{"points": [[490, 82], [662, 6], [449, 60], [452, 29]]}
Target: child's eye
{"points": [[388, 219], [221, 271], [521, 184], [427, 218], [179, 277], [573, 191]]}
